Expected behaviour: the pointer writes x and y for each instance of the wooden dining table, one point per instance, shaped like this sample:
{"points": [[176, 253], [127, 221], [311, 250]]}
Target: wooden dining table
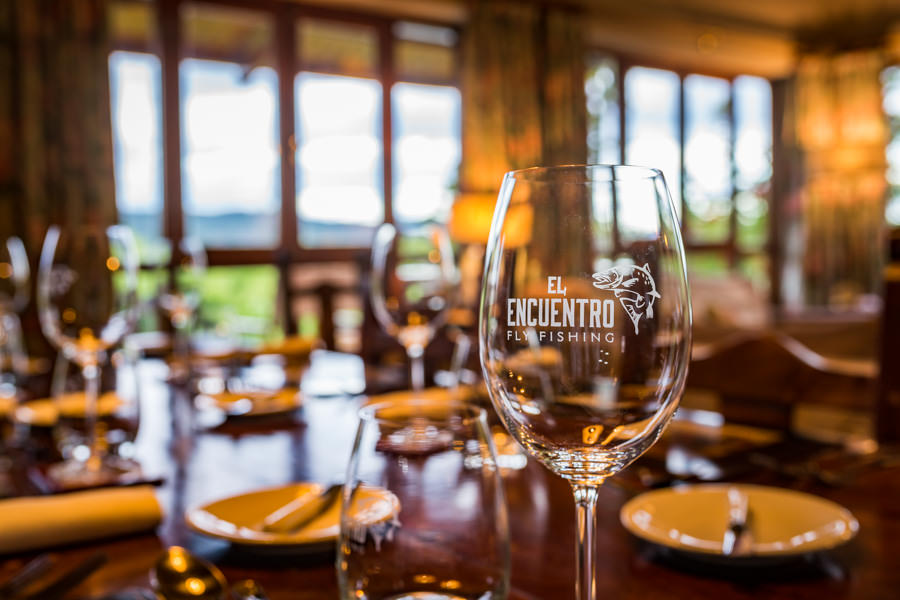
{"points": [[315, 443]]}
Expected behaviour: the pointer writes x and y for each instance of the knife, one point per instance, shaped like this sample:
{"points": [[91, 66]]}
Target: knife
{"points": [[59, 587], [738, 538], [300, 511]]}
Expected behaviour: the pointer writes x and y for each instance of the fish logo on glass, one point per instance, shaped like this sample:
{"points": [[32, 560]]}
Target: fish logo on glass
{"points": [[633, 286]]}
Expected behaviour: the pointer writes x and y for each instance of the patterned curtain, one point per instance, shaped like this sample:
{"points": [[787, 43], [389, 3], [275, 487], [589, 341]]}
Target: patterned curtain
{"points": [[56, 150], [841, 133], [523, 91]]}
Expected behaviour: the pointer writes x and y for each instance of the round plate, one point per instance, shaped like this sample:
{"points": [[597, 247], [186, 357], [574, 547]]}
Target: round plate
{"points": [[45, 412], [693, 519], [252, 404], [237, 519]]}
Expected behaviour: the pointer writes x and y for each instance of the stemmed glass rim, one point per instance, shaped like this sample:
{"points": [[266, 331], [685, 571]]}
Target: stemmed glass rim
{"points": [[599, 172], [437, 412]]}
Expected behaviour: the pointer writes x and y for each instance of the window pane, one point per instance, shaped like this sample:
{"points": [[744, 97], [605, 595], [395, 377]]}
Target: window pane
{"points": [[709, 265], [651, 134], [134, 81], [752, 159], [891, 82], [230, 158], [239, 302], [755, 268], [426, 140], [707, 158], [336, 47], [339, 159], [602, 93]]}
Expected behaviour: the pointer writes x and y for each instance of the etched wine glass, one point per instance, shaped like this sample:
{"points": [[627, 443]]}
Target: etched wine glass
{"points": [[87, 303], [585, 325], [413, 280]]}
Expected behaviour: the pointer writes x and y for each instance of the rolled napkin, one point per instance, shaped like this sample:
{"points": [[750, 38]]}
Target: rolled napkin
{"points": [[36, 522]]}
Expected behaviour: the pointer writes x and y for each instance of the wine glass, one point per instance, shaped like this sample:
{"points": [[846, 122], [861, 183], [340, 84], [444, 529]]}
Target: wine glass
{"points": [[585, 326], [87, 303], [413, 277], [427, 524], [14, 294], [181, 296], [178, 298]]}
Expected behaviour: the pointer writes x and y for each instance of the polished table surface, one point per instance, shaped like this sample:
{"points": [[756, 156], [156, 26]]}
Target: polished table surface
{"points": [[316, 443]]}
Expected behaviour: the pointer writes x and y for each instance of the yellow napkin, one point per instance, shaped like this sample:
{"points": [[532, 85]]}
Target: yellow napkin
{"points": [[45, 521]]}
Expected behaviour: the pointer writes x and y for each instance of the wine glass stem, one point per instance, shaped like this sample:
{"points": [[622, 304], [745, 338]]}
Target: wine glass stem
{"points": [[586, 522], [91, 374], [417, 367]]}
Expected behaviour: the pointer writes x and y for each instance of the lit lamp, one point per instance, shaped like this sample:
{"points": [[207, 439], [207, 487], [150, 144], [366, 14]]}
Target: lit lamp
{"points": [[470, 226], [471, 216]]}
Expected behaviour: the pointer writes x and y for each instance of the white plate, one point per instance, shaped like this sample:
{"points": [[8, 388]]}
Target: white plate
{"points": [[693, 519], [236, 519]]}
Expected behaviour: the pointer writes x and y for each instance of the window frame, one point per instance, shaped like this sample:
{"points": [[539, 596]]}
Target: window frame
{"points": [[284, 16], [729, 248]]}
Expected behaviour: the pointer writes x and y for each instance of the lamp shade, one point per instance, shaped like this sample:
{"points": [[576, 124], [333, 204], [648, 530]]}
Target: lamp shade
{"points": [[471, 216]]}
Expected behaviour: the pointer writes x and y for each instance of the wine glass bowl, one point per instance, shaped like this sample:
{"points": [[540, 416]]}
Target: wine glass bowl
{"points": [[15, 274], [87, 290], [180, 298], [413, 279], [585, 327]]}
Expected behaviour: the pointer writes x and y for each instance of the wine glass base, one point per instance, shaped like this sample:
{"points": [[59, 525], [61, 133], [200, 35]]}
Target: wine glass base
{"points": [[72, 474], [424, 596], [416, 440]]}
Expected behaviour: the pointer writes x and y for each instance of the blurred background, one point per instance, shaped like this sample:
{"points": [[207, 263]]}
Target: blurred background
{"points": [[278, 135]]}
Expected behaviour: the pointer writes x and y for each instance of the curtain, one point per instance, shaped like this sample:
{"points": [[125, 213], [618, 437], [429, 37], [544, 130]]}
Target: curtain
{"points": [[841, 134], [523, 91], [55, 127], [56, 149]]}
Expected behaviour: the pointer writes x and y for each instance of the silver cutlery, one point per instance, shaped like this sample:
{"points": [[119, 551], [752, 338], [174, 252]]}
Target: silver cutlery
{"points": [[738, 538], [300, 511], [34, 570], [179, 575]]}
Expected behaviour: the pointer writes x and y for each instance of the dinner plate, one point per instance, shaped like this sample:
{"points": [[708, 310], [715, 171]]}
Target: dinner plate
{"points": [[252, 403], [45, 412], [693, 519], [237, 519]]}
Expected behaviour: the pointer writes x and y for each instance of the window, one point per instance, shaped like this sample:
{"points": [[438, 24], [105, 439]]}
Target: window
{"points": [[426, 150], [134, 82], [891, 85], [715, 151], [347, 174], [603, 110], [651, 123], [285, 150]]}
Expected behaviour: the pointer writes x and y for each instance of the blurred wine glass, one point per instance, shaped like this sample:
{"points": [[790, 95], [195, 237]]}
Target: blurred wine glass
{"points": [[87, 303], [585, 325], [427, 522], [180, 295], [180, 298], [413, 280], [15, 275]]}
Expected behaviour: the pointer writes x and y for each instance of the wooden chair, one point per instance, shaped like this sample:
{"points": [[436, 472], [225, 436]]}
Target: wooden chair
{"points": [[761, 378]]}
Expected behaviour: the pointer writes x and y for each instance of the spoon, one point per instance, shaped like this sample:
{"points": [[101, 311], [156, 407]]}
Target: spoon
{"points": [[248, 590], [179, 575]]}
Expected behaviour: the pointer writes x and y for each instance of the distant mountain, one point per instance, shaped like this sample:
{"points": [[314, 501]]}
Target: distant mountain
{"points": [[253, 230]]}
